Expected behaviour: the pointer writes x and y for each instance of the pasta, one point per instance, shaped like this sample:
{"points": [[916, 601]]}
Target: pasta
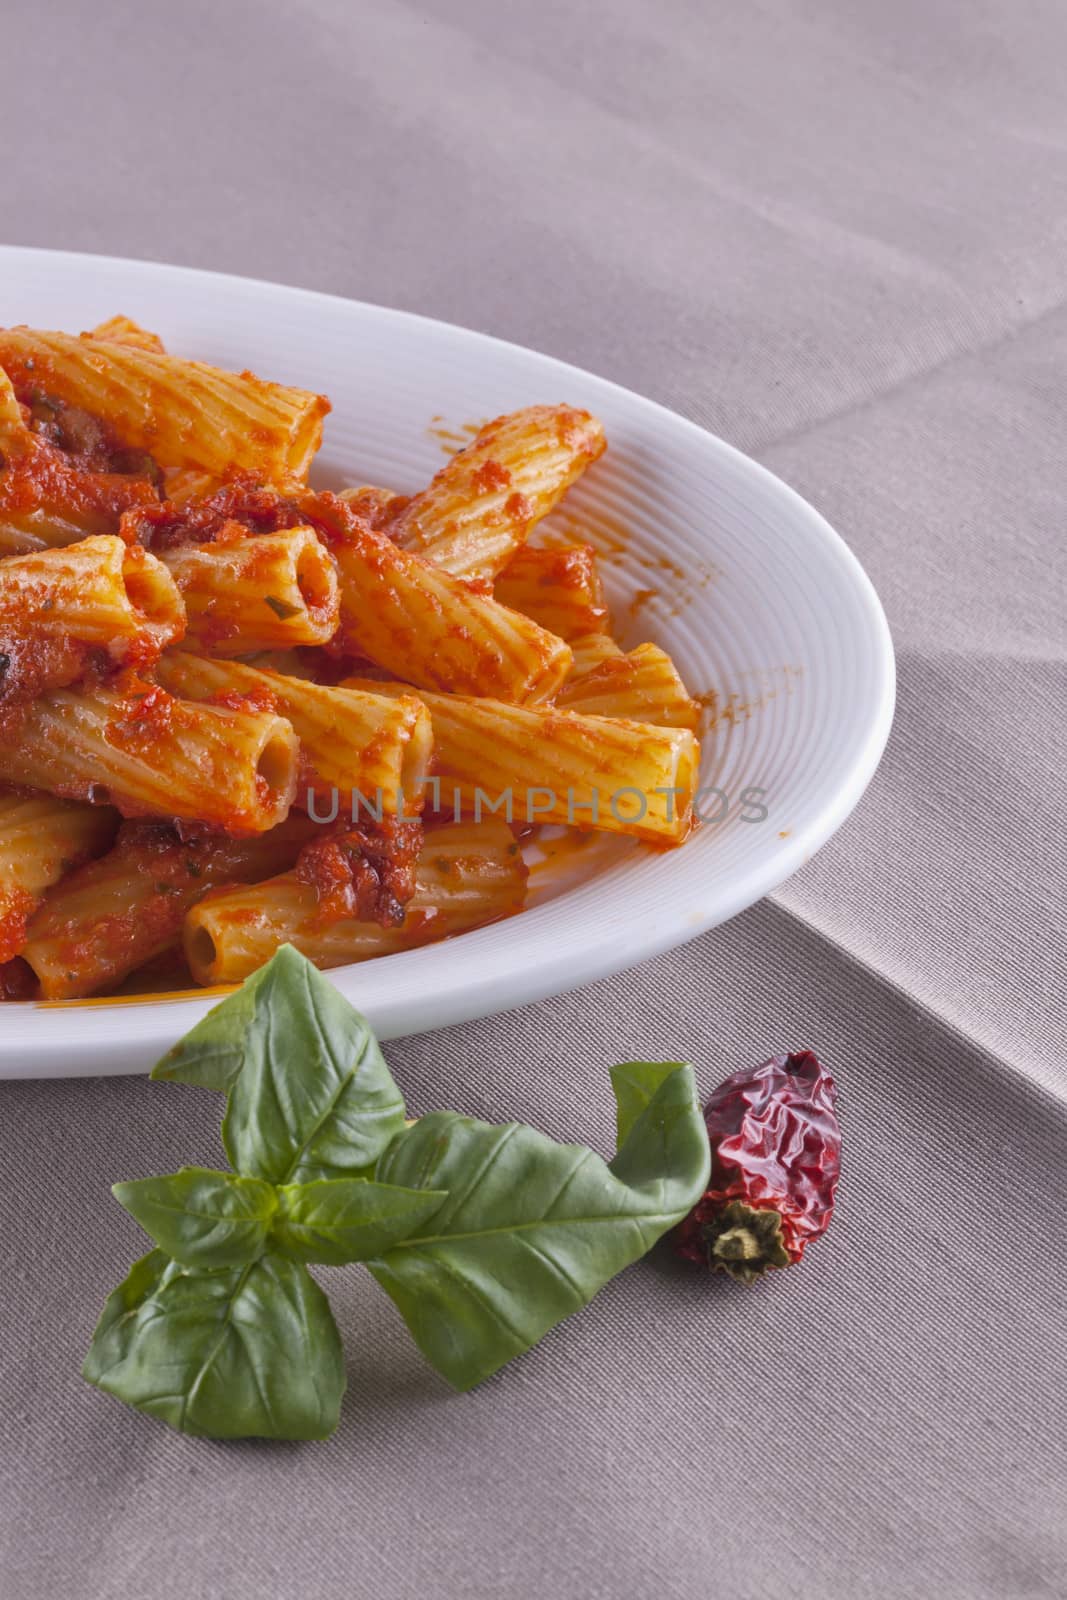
{"points": [[237, 709], [99, 591], [468, 874], [185, 485], [90, 607], [123, 330], [41, 839], [117, 913], [538, 764], [12, 426], [643, 685], [17, 533], [378, 507], [480, 507], [590, 651], [258, 593], [185, 414], [150, 753], [360, 752], [422, 623], [51, 491], [558, 587]]}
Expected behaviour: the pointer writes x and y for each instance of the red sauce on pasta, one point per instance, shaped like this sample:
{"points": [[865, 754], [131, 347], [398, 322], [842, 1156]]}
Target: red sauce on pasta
{"points": [[68, 475], [378, 508], [32, 664], [180, 862], [147, 715], [240, 507], [489, 476], [257, 699], [16, 907], [41, 481], [69, 462], [366, 873]]}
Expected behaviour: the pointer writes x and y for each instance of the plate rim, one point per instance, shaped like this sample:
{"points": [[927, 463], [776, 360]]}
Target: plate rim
{"points": [[151, 1024]]}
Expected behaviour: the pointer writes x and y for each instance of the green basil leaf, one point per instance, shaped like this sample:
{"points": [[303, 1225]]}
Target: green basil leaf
{"points": [[531, 1229], [347, 1219], [310, 1095], [635, 1084], [245, 1351], [203, 1219], [661, 1145]]}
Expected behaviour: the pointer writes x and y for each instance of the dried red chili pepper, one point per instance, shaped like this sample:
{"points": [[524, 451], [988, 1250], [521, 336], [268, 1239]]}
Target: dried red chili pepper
{"points": [[776, 1158]]}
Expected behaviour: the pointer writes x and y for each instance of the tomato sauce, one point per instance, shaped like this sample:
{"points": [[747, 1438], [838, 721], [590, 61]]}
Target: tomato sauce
{"points": [[378, 508], [365, 873], [31, 664], [41, 480], [258, 699], [70, 464], [240, 507], [491, 476], [16, 908], [147, 716]]}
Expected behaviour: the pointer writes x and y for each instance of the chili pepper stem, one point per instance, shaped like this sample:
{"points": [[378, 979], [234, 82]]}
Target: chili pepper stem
{"points": [[736, 1244], [745, 1242]]}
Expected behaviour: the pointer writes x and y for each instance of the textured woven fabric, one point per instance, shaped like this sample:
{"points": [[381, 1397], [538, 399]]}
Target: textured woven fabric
{"points": [[834, 232]]}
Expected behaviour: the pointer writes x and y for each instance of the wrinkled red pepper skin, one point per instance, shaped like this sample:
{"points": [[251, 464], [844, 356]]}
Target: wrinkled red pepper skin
{"points": [[776, 1160]]}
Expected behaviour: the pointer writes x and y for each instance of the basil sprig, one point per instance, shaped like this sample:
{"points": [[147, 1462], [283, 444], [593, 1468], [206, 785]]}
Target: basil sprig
{"points": [[484, 1236], [308, 1093]]}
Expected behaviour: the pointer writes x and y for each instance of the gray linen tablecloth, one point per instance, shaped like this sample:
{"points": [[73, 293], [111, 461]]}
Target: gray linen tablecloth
{"points": [[835, 233]]}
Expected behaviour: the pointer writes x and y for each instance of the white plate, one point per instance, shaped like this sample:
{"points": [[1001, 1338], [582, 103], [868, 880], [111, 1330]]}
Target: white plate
{"points": [[704, 552]]}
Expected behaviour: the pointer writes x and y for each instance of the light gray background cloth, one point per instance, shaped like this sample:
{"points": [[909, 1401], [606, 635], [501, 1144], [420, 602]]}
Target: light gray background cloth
{"points": [[834, 231]]}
